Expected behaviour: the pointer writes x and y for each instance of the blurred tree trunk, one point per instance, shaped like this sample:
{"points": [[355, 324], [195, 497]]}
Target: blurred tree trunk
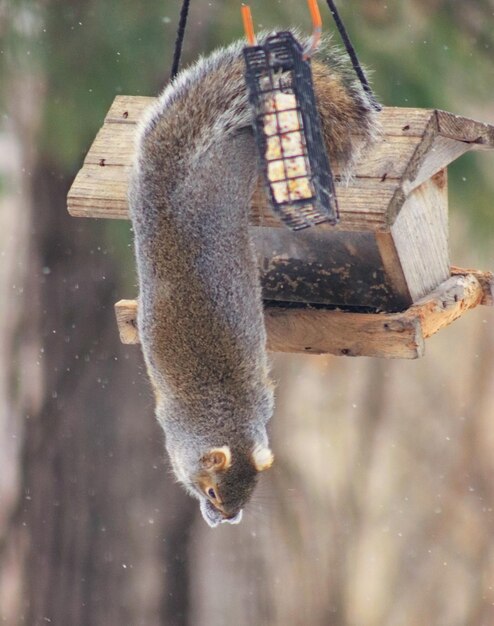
{"points": [[96, 520], [20, 377], [93, 531]]}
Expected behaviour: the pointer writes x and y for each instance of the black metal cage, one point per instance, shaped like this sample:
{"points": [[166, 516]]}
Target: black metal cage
{"points": [[288, 132]]}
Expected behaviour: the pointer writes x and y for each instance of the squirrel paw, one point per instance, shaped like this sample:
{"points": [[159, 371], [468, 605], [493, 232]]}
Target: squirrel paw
{"points": [[213, 517]]}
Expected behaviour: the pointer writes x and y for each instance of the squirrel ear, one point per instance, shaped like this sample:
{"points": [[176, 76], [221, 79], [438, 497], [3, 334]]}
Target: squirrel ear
{"points": [[262, 457], [217, 459]]}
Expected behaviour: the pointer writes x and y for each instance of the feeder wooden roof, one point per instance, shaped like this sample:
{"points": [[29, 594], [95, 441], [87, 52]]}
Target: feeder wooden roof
{"points": [[392, 250], [415, 145]]}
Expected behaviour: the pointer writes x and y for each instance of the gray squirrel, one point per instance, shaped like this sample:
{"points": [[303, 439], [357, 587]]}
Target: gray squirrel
{"points": [[200, 312]]}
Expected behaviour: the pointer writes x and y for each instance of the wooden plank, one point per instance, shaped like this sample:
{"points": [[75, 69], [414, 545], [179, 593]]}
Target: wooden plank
{"points": [[446, 137], [412, 168], [414, 145], [440, 153], [386, 335], [387, 159], [101, 191], [128, 109], [478, 134], [405, 121], [420, 234], [316, 331], [342, 334], [114, 145], [395, 121]]}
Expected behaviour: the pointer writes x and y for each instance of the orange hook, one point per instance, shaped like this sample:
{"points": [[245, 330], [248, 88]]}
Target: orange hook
{"points": [[316, 26], [248, 25]]}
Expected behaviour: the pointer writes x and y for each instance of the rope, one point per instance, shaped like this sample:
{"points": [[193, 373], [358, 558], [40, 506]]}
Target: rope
{"points": [[353, 55], [180, 38]]}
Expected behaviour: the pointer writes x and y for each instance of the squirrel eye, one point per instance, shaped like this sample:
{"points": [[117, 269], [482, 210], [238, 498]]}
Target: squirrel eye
{"points": [[212, 493]]}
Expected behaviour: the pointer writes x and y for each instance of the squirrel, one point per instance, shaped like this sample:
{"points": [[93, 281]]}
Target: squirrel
{"points": [[200, 311]]}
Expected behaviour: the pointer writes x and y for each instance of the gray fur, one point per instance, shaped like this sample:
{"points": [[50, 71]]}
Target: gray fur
{"points": [[200, 309]]}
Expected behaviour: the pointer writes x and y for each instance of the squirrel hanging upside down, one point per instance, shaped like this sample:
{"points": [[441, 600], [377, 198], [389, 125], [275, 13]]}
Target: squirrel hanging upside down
{"points": [[200, 314]]}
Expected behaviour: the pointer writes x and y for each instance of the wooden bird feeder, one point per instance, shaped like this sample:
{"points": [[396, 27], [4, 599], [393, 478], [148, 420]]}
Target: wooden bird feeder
{"points": [[377, 284]]}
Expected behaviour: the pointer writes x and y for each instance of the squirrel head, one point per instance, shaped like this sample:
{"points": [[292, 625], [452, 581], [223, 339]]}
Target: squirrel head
{"points": [[223, 480], [226, 481]]}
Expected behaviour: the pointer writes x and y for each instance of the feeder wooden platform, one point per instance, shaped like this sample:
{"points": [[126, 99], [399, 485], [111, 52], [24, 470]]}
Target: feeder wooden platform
{"points": [[389, 252], [388, 335]]}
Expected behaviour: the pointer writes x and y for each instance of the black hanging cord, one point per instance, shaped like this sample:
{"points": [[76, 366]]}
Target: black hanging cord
{"points": [[353, 55], [180, 38], [339, 24]]}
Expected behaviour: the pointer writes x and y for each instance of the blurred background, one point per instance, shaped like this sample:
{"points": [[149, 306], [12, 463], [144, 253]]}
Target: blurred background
{"points": [[379, 510]]}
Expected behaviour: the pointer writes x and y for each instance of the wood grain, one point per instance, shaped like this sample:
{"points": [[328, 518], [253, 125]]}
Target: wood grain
{"points": [[486, 280], [478, 134], [100, 188], [128, 109], [101, 191], [446, 303], [114, 145], [343, 334], [420, 234], [398, 121], [414, 145], [316, 331]]}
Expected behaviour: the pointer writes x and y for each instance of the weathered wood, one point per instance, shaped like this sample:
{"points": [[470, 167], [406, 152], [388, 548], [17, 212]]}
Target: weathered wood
{"points": [[446, 303], [101, 191], [392, 267], [126, 314], [386, 335], [114, 145], [478, 134], [442, 151], [405, 121], [420, 234], [128, 109], [343, 334], [486, 280], [318, 331], [409, 150], [412, 168], [445, 138], [398, 121]]}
